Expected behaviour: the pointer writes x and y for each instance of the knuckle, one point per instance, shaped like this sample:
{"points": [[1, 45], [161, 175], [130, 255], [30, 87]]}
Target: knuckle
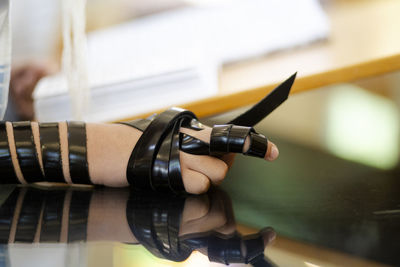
{"points": [[202, 186]]}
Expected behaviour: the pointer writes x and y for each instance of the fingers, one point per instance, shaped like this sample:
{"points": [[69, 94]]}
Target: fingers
{"points": [[203, 215], [268, 235], [195, 208], [194, 182], [213, 168], [272, 152], [253, 143]]}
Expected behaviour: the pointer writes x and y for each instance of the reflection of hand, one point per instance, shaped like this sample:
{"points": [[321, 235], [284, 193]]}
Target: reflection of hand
{"points": [[172, 227], [208, 225], [205, 213]]}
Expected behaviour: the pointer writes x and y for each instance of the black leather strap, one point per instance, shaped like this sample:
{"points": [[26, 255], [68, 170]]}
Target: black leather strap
{"points": [[254, 247], [50, 229], [224, 250], [258, 145], [155, 220], [266, 105], [51, 152], [193, 146], [26, 152], [7, 172], [29, 216], [78, 215], [140, 124], [78, 164], [154, 162], [228, 138], [7, 210]]}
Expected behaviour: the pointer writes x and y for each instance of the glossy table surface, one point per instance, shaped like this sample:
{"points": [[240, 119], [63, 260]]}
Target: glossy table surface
{"points": [[323, 210], [332, 198]]}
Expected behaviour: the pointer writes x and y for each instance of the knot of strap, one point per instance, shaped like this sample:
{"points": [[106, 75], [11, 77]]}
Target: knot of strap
{"points": [[154, 163]]}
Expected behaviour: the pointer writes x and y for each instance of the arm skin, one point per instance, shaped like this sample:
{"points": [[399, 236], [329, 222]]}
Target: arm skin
{"points": [[109, 147]]}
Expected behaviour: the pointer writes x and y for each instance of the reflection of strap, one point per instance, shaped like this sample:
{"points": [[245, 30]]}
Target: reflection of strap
{"points": [[78, 215], [155, 221], [154, 162], [38, 216], [7, 172], [29, 216], [229, 249], [7, 211], [50, 229], [26, 152]]}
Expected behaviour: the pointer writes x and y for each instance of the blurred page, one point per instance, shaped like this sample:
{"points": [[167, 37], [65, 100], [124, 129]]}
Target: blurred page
{"points": [[195, 39]]}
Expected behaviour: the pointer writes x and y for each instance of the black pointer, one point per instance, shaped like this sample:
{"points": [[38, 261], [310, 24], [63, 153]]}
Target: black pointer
{"points": [[263, 108]]}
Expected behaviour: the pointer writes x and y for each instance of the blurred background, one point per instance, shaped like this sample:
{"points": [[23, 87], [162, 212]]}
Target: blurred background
{"points": [[338, 129]]}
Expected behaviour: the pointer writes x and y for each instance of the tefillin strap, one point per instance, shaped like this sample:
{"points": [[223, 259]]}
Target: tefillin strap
{"points": [[77, 142], [26, 152], [7, 172], [51, 152]]}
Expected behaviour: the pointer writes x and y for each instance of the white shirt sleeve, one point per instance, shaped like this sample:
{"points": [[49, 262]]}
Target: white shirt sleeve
{"points": [[5, 54]]}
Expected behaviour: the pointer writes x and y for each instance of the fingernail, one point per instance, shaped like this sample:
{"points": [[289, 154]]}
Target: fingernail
{"points": [[274, 153]]}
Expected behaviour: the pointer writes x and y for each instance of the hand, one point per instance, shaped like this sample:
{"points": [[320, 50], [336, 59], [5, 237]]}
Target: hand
{"points": [[22, 84], [199, 172]]}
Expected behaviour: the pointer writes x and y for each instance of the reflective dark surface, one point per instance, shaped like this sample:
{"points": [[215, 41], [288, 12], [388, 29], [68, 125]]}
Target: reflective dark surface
{"points": [[332, 199], [170, 228]]}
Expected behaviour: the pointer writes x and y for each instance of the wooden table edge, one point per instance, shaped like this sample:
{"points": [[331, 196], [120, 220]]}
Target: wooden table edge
{"points": [[226, 102]]}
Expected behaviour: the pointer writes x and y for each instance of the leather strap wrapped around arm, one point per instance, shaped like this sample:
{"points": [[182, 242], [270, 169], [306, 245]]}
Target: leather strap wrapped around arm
{"points": [[7, 172], [51, 152], [78, 164], [26, 152]]}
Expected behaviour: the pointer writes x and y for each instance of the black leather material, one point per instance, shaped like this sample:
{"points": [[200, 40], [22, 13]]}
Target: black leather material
{"points": [[29, 216], [254, 245], [228, 138], [50, 228], [78, 215], [193, 145], [258, 145], [7, 172], [155, 220], [266, 105], [78, 164], [154, 163], [231, 138], [51, 152], [225, 251], [219, 139], [26, 152], [7, 210], [140, 124]]}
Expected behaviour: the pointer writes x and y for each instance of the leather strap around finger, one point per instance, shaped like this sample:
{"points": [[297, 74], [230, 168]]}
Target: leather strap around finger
{"points": [[258, 145]]}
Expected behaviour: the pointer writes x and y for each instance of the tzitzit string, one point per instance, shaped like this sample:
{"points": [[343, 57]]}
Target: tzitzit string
{"points": [[74, 56]]}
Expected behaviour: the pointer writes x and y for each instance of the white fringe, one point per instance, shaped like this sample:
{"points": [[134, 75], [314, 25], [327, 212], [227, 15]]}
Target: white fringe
{"points": [[74, 56]]}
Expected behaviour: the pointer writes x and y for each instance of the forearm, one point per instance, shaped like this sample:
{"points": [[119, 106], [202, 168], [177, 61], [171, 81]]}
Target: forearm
{"points": [[108, 149]]}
